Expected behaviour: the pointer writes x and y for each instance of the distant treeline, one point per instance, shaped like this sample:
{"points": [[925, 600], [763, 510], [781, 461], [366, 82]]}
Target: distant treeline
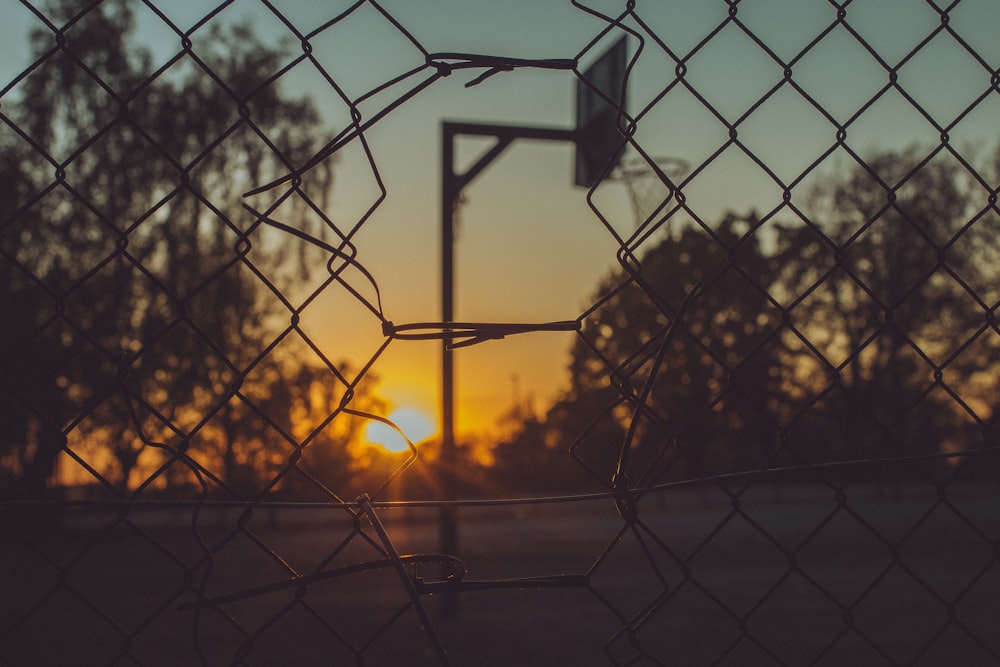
{"points": [[149, 341], [860, 327]]}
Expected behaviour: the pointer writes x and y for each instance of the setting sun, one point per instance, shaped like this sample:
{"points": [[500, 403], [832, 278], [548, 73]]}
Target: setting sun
{"points": [[415, 424]]}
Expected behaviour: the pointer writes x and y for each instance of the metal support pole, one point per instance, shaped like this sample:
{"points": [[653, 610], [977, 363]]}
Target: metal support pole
{"points": [[448, 528], [452, 185]]}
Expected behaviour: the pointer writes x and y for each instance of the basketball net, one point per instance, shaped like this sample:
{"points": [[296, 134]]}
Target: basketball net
{"points": [[647, 190]]}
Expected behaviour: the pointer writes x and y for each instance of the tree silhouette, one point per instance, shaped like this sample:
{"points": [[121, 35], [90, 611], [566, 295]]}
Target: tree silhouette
{"points": [[134, 298], [706, 409], [885, 286], [865, 329]]}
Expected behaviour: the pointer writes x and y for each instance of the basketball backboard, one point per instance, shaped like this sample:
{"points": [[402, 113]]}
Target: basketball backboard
{"points": [[599, 139]]}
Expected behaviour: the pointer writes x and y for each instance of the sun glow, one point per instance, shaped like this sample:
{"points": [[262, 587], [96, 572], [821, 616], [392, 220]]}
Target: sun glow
{"points": [[415, 424]]}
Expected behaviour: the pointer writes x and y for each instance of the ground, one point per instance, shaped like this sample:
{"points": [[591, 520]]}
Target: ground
{"points": [[792, 576]]}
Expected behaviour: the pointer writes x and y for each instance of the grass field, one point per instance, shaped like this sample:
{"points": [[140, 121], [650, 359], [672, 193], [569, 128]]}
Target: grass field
{"points": [[793, 576]]}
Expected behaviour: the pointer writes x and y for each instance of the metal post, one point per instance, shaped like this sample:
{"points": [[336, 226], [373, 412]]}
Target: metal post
{"points": [[452, 185], [448, 529]]}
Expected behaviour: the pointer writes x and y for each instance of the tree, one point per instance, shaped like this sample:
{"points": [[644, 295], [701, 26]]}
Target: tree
{"points": [[883, 286], [864, 330], [707, 408], [133, 312]]}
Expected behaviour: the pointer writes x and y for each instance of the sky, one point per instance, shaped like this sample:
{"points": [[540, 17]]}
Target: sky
{"points": [[529, 248]]}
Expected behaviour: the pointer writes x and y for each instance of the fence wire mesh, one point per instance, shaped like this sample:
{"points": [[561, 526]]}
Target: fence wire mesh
{"points": [[778, 444]]}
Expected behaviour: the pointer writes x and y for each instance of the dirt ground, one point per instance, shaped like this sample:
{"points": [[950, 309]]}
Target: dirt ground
{"points": [[792, 576]]}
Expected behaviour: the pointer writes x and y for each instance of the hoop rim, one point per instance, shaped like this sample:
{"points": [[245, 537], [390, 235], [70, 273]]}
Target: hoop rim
{"points": [[638, 167]]}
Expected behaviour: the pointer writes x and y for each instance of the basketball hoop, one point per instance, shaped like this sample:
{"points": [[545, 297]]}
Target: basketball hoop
{"points": [[649, 184]]}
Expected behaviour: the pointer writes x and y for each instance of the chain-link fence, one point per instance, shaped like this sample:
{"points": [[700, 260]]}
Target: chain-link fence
{"points": [[776, 439]]}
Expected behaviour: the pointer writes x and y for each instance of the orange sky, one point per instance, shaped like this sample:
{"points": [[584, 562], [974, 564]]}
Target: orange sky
{"points": [[529, 248]]}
